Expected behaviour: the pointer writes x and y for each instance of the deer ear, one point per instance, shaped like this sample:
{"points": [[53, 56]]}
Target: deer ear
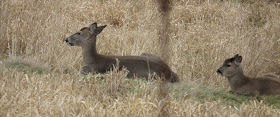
{"points": [[99, 29], [237, 59], [93, 26]]}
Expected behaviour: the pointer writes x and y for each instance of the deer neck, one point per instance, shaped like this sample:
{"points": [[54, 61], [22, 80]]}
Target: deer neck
{"points": [[237, 80], [89, 51]]}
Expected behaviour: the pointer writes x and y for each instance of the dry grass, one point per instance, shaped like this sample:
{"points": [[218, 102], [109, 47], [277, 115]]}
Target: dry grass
{"points": [[203, 33]]}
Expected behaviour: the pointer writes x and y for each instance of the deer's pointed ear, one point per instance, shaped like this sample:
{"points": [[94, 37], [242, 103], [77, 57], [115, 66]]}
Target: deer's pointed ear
{"points": [[93, 26], [99, 29], [237, 59]]}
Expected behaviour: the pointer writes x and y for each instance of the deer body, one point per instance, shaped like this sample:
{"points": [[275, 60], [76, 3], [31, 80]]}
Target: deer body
{"points": [[241, 84], [138, 66]]}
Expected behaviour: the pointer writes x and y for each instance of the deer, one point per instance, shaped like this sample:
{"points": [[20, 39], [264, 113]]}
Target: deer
{"points": [[244, 85], [144, 66]]}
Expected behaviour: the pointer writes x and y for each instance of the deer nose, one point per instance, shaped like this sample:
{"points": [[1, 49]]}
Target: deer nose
{"points": [[66, 40], [219, 71]]}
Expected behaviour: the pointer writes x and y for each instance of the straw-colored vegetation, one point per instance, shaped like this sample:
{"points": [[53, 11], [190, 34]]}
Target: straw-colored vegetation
{"points": [[39, 73]]}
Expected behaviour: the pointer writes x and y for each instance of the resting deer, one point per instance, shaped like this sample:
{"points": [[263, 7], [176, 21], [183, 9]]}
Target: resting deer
{"points": [[138, 66], [241, 84]]}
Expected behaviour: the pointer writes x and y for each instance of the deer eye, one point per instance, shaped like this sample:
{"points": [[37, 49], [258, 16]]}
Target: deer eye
{"points": [[228, 65], [78, 33]]}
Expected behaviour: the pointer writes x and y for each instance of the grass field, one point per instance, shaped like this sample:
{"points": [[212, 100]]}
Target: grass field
{"points": [[39, 72]]}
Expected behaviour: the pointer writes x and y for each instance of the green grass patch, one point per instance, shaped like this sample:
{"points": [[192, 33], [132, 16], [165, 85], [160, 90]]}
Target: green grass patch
{"points": [[91, 77], [179, 91], [203, 93], [271, 100], [25, 67]]}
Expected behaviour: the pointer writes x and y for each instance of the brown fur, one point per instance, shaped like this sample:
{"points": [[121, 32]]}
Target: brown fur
{"points": [[241, 84], [138, 66]]}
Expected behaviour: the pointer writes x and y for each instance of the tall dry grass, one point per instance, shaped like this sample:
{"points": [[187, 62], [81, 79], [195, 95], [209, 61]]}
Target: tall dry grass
{"points": [[203, 33]]}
